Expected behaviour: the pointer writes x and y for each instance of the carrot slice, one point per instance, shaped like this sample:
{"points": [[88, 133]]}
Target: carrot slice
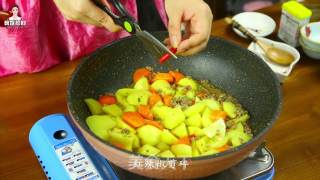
{"points": [[176, 75], [134, 119], [141, 72], [145, 111], [167, 100], [107, 99], [163, 76], [152, 90], [218, 114], [154, 98], [154, 123], [117, 144], [184, 140], [223, 148]]}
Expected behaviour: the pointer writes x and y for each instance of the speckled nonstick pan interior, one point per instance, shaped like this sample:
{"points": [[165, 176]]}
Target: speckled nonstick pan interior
{"points": [[228, 66]]}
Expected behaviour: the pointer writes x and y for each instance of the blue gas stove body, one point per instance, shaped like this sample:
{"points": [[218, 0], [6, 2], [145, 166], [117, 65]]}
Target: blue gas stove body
{"points": [[64, 154]]}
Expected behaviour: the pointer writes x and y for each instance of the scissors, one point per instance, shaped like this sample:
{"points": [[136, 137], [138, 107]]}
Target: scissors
{"points": [[131, 26]]}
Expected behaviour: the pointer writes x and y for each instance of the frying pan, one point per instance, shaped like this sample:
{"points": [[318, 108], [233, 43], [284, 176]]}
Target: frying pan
{"points": [[228, 66]]}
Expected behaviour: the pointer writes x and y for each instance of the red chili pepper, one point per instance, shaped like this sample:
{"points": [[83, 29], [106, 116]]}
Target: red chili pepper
{"points": [[166, 56]]}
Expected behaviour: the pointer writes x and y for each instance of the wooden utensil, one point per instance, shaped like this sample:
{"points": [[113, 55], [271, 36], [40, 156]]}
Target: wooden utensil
{"points": [[276, 55]]}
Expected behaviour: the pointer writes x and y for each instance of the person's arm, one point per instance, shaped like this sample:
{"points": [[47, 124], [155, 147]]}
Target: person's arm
{"points": [[85, 11], [196, 14], [197, 17]]}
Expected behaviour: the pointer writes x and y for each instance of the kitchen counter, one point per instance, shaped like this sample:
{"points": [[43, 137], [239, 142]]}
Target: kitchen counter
{"points": [[294, 140]]}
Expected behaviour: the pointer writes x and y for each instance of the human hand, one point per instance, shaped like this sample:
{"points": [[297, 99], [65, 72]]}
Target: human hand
{"points": [[85, 11], [197, 18]]}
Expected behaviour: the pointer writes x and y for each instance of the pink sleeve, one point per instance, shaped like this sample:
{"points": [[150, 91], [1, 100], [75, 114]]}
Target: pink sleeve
{"points": [[161, 9], [48, 38]]}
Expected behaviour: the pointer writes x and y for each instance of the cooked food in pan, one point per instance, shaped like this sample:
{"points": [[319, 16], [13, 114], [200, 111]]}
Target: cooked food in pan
{"points": [[168, 114]]}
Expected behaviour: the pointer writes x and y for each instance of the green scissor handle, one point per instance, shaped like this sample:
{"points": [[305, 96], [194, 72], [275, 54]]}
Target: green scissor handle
{"points": [[123, 20], [127, 26]]}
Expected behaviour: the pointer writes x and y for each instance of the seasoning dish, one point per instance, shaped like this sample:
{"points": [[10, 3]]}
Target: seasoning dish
{"points": [[281, 71], [310, 36], [258, 24], [311, 52]]}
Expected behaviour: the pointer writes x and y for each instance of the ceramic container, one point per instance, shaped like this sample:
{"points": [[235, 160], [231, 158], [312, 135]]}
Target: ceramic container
{"points": [[281, 71], [258, 24]]}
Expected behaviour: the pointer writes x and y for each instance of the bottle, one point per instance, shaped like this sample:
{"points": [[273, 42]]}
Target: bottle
{"points": [[294, 16]]}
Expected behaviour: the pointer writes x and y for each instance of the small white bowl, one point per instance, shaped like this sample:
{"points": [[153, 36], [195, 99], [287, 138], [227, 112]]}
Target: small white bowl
{"points": [[258, 24], [313, 53], [281, 71], [313, 39]]}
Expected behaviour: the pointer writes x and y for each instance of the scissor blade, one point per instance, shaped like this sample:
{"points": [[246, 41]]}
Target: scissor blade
{"points": [[153, 43]]}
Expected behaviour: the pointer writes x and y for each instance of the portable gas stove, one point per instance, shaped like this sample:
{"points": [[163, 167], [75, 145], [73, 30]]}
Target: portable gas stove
{"points": [[63, 153]]}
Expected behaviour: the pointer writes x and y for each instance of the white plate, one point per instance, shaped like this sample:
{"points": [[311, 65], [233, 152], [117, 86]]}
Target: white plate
{"points": [[258, 24], [281, 71]]}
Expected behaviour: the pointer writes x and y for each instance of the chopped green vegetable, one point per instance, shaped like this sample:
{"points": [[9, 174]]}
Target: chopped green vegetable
{"points": [[175, 116], [181, 150], [209, 152], [148, 150], [188, 82], [113, 110], [122, 125], [191, 94], [195, 131], [203, 144], [142, 84], [167, 154], [218, 142], [217, 128], [194, 120], [138, 97], [136, 142], [212, 104], [149, 134], [206, 120], [237, 138], [180, 131], [163, 87], [170, 117], [122, 94], [123, 137], [100, 124], [230, 109], [94, 106], [162, 146], [241, 119], [195, 109], [195, 151], [167, 137], [130, 108]]}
